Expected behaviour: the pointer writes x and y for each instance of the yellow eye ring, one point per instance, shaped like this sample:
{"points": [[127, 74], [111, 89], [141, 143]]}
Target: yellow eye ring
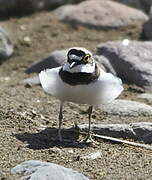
{"points": [[87, 57]]}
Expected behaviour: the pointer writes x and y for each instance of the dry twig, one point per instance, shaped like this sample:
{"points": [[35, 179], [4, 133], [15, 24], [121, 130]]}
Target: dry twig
{"points": [[123, 141]]}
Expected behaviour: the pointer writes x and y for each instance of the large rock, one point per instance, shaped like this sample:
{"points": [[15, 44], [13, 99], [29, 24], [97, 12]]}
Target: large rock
{"points": [[127, 108], [38, 170], [100, 14], [26, 6], [147, 32], [6, 45], [55, 59], [147, 29], [7, 5], [139, 4], [105, 63], [141, 131], [132, 61]]}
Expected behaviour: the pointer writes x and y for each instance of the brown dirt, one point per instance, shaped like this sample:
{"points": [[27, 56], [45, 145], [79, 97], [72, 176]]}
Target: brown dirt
{"points": [[28, 117]]}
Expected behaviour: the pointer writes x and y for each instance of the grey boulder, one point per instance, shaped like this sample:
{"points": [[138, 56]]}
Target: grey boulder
{"points": [[38, 170], [105, 63], [100, 14], [147, 29], [127, 108], [55, 59], [7, 5], [23, 6], [6, 45], [141, 131], [139, 4], [131, 60]]}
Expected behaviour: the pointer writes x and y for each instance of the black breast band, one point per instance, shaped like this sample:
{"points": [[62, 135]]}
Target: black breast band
{"points": [[79, 78]]}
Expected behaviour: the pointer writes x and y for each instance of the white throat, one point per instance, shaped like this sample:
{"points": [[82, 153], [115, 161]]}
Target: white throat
{"points": [[86, 68]]}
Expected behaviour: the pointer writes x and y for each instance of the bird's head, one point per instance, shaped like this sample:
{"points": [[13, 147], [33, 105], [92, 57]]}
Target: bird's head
{"points": [[79, 60], [79, 56]]}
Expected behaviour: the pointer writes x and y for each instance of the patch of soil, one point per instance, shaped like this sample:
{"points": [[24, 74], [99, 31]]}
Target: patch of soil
{"points": [[28, 117]]}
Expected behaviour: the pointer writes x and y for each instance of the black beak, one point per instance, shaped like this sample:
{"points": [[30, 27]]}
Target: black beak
{"points": [[73, 64]]}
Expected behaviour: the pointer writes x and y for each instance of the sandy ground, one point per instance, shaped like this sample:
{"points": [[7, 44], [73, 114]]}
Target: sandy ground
{"points": [[28, 117]]}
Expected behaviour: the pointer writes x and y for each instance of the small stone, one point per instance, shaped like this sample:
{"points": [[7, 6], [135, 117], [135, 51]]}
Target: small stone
{"points": [[22, 27], [92, 156], [5, 78], [27, 39], [125, 42], [71, 151]]}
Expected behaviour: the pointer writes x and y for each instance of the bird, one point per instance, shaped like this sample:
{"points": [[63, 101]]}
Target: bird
{"points": [[80, 80]]}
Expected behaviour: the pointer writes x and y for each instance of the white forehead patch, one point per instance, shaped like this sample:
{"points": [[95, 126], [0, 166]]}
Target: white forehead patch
{"points": [[73, 56], [86, 68]]}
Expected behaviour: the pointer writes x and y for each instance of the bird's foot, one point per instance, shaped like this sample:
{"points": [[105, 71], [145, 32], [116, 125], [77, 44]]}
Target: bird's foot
{"points": [[89, 140]]}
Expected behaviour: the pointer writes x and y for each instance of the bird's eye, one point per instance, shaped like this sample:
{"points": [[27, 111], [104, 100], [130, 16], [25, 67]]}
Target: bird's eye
{"points": [[86, 58]]}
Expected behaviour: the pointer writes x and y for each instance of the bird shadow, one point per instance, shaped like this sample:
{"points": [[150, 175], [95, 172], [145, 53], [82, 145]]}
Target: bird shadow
{"points": [[45, 139]]}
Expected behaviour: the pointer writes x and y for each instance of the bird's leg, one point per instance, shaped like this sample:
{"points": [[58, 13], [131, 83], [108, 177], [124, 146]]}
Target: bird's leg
{"points": [[88, 138], [59, 136]]}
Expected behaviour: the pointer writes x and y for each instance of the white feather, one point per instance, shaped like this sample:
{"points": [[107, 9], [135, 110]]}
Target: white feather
{"points": [[104, 90], [87, 68], [73, 56]]}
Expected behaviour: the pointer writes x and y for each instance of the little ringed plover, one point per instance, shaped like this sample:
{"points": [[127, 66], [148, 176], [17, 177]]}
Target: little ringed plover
{"points": [[80, 80]]}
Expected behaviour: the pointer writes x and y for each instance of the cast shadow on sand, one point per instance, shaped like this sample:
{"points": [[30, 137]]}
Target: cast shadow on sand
{"points": [[44, 139]]}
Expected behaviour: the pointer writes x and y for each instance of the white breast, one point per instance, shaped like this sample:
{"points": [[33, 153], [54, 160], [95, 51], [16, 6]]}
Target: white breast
{"points": [[102, 91]]}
